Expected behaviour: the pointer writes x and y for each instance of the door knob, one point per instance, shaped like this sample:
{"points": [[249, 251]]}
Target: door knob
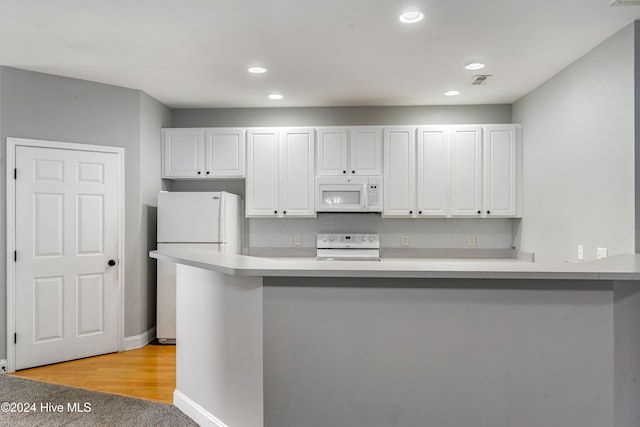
{"points": [[111, 262]]}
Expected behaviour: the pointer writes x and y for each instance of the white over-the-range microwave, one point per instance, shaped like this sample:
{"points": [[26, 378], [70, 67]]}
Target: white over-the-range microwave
{"points": [[349, 194]]}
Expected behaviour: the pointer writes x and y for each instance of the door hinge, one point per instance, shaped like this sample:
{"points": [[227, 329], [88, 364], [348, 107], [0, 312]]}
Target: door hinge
{"points": [[15, 256], [15, 174], [15, 338]]}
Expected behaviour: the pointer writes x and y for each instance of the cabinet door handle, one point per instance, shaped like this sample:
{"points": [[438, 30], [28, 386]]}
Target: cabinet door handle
{"points": [[198, 172], [353, 172], [275, 212], [207, 172], [284, 212], [419, 212], [488, 212], [479, 212], [411, 212], [344, 171]]}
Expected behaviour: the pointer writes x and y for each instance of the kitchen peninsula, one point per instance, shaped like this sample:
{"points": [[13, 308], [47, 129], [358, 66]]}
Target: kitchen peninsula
{"points": [[499, 343]]}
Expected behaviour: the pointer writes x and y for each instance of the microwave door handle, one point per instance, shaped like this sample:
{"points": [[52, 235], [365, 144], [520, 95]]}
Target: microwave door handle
{"points": [[365, 197]]}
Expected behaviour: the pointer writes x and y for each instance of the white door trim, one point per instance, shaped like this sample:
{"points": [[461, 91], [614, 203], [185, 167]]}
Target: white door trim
{"points": [[12, 143]]}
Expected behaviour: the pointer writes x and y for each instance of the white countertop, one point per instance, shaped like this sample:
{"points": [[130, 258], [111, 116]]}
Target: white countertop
{"points": [[618, 267]]}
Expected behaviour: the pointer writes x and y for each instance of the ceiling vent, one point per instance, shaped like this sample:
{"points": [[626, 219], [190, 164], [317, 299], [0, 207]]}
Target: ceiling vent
{"points": [[479, 79], [625, 3]]}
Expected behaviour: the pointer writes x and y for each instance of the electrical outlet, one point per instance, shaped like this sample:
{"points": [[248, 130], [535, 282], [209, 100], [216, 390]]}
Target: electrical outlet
{"points": [[297, 240], [471, 241], [405, 240], [580, 253], [601, 253]]}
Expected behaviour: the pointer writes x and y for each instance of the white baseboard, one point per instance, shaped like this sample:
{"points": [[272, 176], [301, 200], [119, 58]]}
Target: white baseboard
{"points": [[139, 341], [194, 411]]}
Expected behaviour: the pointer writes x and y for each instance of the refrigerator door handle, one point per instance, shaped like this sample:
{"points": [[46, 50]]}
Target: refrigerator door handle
{"points": [[221, 215]]}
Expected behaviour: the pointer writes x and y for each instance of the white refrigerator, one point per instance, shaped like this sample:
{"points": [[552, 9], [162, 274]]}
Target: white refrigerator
{"points": [[207, 220]]}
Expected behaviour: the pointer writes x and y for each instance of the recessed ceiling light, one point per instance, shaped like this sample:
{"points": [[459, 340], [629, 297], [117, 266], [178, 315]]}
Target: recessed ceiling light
{"points": [[452, 92], [474, 66], [411, 17], [275, 96], [257, 70]]}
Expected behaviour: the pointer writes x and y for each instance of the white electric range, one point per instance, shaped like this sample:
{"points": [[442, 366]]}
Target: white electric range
{"points": [[348, 247]]}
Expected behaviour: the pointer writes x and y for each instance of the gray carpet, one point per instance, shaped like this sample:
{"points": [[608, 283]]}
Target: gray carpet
{"points": [[101, 410]]}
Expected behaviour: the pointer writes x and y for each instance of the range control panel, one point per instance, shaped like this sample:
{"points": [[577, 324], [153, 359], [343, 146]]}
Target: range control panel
{"points": [[356, 241]]}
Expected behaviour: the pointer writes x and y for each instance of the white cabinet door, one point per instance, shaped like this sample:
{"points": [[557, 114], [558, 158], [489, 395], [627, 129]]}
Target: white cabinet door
{"points": [[399, 172], [297, 189], [433, 171], [183, 153], [262, 172], [224, 153], [500, 165], [332, 151], [366, 151], [466, 170], [350, 151]]}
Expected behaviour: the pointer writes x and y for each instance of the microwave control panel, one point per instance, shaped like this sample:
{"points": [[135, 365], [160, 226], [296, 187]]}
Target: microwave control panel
{"points": [[373, 195], [374, 187]]}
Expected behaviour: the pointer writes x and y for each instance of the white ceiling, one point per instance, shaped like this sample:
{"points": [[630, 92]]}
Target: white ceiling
{"points": [[194, 53]]}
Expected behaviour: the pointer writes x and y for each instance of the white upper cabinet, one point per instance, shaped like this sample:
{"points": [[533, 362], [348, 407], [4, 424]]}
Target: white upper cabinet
{"points": [[366, 151], [332, 151], [349, 151], [280, 173], [224, 153], [399, 172], [433, 171], [262, 172], [500, 171], [203, 153], [466, 171], [183, 153], [471, 171], [297, 177]]}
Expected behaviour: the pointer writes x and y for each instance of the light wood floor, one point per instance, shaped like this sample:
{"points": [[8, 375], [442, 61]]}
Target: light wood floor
{"points": [[146, 373]]}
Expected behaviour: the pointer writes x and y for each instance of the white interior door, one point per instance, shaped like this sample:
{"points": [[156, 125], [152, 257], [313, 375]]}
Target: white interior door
{"points": [[67, 210]]}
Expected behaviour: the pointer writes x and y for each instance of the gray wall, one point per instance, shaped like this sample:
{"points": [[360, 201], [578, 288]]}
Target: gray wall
{"points": [[578, 154], [342, 116], [41, 106], [141, 301], [627, 353], [425, 233], [387, 352]]}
